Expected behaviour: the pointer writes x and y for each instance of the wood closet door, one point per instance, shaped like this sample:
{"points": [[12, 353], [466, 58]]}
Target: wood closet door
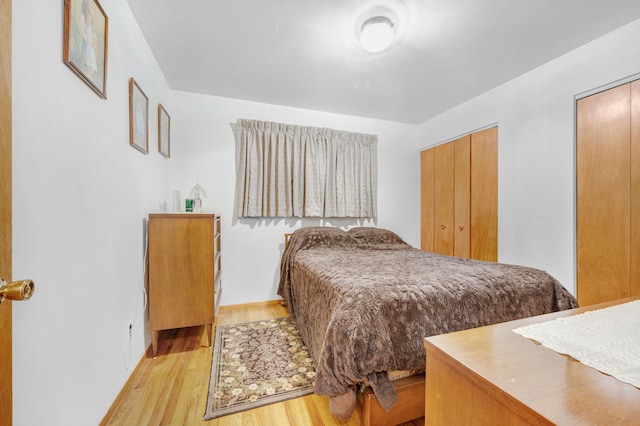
{"points": [[427, 197], [459, 197], [635, 188], [603, 168], [484, 195], [462, 206], [444, 186]]}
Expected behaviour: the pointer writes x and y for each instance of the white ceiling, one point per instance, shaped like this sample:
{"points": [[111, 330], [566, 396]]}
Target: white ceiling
{"points": [[303, 53]]}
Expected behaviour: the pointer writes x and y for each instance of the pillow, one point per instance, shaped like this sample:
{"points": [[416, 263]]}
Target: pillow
{"points": [[376, 238], [321, 236]]}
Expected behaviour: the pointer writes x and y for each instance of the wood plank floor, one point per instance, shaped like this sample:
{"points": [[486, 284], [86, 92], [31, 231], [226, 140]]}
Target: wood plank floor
{"points": [[172, 388]]}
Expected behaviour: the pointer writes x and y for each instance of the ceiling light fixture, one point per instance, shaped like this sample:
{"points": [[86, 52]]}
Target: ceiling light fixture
{"points": [[376, 34]]}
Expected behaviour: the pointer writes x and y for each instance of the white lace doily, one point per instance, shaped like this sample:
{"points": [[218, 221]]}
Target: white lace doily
{"points": [[605, 339]]}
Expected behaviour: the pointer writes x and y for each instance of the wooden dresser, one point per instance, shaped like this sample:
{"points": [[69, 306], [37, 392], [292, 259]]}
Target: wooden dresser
{"points": [[185, 267], [493, 376]]}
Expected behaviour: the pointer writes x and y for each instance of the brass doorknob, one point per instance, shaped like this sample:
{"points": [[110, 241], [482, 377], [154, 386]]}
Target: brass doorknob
{"points": [[17, 290]]}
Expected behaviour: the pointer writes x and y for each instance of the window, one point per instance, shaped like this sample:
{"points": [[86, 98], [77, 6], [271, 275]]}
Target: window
{"points": [[285, 170]]}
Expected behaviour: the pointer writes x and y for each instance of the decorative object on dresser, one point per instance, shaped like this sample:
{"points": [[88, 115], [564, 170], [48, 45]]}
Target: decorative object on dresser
{"points": [[185, 271], [257, 363], [198, 194]]}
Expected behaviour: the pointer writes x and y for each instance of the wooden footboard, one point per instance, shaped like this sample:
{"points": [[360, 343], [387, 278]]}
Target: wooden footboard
{"points": [[410, 404]]}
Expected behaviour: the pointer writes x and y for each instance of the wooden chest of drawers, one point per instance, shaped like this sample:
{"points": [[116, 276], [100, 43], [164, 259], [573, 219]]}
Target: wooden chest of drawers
{"points": [[185, 266]]}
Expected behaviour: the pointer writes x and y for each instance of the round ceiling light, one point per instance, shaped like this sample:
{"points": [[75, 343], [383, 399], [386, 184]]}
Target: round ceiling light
{"points": [[376, 34]]}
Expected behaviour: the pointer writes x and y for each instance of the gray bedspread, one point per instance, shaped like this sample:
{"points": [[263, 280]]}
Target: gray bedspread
{"points": [[364, 301]]}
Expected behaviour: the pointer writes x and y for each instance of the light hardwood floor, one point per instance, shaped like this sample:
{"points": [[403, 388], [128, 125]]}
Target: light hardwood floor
{"points": [[172, 388]]}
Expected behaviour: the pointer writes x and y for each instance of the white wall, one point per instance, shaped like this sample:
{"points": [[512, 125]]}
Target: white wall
{"points": [[81, 194], [203, 150], [536, 164]]}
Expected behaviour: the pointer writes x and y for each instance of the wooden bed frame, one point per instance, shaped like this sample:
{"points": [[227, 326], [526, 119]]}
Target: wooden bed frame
{"points": [[410, 406]]}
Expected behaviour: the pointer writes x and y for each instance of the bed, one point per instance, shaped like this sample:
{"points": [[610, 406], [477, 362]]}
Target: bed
{"points": [[364, 300]]}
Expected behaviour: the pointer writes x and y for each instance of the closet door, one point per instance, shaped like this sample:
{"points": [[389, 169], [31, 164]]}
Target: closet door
{"points": [[603, 169], [484, 195], [462, 207], [444, 163], [459, 197], [635, 188], [427, 197]]}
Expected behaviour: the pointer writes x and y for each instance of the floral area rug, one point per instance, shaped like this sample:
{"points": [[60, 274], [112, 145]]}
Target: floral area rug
{"points": [[255, 364]]}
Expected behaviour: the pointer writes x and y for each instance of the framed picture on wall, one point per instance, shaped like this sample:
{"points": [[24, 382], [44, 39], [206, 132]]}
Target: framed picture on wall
{"points": [[138, 117], [86, 29], [164, 131]]}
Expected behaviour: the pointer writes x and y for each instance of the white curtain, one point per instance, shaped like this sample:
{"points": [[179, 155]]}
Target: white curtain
{"points": [[285, 170]]}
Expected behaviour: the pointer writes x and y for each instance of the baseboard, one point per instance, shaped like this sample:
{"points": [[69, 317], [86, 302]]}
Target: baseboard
{"points": [[249, 305]]}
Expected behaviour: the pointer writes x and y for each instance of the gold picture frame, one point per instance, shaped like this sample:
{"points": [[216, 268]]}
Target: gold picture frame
{"points": [[138, 117], [86, 35], [164, 132]]}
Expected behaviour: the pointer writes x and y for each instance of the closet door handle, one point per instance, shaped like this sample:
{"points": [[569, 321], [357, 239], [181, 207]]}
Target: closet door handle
{"points": [[460, 228], [442, 226]]}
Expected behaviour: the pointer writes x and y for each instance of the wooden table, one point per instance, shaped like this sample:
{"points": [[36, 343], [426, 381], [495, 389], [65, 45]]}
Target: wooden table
{"points": [[493, 376]]}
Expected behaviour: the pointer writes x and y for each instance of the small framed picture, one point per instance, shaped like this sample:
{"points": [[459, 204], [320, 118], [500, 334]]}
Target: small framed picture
{"points": [[164, 131], [86, 30], [138, 117]]}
